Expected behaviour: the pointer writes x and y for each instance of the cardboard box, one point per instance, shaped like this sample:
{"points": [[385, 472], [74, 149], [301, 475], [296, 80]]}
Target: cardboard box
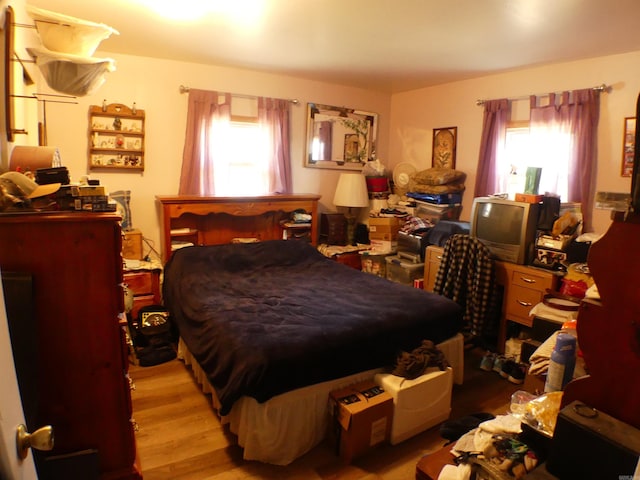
{"points": [[420, 403], [361, 417], [383, 246], [555, 243], [528, 198], [388, 236], [132, 244], [386, 221], [384, 229]]}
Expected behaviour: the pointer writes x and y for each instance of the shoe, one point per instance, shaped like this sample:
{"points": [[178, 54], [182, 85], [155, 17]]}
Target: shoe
{"points": [[507, 367], [486, 363], [517, 374], [498, 362]]}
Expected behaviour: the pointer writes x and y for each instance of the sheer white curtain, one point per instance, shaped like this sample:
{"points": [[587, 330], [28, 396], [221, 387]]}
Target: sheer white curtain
{"points": [[564, 135], [273, 117], [225, 157], [207, 120]]}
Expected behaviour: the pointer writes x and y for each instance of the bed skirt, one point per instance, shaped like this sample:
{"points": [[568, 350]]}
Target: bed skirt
{"points": [[287, 426]]}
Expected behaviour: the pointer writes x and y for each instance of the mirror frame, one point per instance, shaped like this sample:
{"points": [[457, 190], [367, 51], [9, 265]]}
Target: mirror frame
{"points": [[366, 140]]}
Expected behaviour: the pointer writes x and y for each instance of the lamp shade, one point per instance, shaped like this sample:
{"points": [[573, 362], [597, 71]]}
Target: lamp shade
{"points": [[351, 191]]}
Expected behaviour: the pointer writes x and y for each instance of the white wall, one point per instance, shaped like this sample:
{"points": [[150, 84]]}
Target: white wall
{"points": [[154, 85], [405, 127], [415, 114]]}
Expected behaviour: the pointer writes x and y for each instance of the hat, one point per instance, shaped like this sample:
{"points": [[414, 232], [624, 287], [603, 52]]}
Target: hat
{"points": [[30, 188]]}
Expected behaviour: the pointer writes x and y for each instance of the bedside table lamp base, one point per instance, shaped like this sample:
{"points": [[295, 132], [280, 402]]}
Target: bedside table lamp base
{"points": [[351, 192]]}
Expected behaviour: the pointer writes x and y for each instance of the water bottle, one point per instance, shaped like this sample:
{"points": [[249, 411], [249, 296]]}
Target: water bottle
{"points": [[562, 363]]}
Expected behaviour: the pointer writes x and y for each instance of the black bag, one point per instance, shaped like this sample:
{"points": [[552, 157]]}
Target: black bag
{"points": [[452, 430], [152, 337]]}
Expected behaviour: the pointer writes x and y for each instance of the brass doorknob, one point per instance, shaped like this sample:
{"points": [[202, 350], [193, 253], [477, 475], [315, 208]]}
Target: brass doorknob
{"points": [[41, 439]]}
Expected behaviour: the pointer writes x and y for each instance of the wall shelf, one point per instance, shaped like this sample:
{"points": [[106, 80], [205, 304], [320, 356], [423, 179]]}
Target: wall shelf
{"points": [[116, 137]]}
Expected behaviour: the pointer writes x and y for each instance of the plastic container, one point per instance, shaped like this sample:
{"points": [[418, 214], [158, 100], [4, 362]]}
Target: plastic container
{"points": [[377, 184], [562, 363], [374, 263], [403, 271], [65, 34], [519, 402]]}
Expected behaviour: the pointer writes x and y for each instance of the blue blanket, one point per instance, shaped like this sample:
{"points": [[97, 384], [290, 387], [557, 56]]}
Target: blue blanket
{"points": [[265, 318]]}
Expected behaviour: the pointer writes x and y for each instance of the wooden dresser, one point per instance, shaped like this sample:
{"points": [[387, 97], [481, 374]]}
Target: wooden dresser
{"points": [[215, 220], [524, 287], [82, 385]]}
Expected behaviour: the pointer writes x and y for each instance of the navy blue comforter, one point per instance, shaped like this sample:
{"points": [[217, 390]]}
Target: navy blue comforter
{"points": [[265, 318]]}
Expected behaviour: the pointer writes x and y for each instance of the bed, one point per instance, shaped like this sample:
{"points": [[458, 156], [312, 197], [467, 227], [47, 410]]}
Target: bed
{"points": [[270, 328]]}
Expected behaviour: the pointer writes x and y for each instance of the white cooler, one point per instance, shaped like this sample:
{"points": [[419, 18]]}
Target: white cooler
{"points": [[418, 404]]}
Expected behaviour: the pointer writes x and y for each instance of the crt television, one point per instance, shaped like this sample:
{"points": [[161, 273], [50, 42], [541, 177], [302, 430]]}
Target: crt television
{"points": [[506, 228]]}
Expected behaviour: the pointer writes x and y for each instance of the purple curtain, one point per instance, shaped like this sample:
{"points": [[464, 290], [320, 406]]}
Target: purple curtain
{"points": [[577, 113], [273, 115], [494, 127], [196, 177]]}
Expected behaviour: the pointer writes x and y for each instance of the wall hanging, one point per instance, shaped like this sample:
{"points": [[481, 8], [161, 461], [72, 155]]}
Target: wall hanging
{"points": [[116, 137]]}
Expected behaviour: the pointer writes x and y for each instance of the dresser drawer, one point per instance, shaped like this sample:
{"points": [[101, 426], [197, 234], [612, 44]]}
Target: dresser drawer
{"points": [[530, 278], [520, 301], [140, 282], [434, 254]]}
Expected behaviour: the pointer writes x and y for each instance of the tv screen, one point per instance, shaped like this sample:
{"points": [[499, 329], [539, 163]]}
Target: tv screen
{"points": [[507, 228], [499, 223]]}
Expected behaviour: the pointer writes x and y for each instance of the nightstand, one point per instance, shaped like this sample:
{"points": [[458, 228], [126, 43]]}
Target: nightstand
{"points": [[145, 284], [347, 255], [351, 259]]}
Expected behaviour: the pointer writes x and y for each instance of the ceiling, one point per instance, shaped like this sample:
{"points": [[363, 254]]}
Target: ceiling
{"points": [[387, 45]]}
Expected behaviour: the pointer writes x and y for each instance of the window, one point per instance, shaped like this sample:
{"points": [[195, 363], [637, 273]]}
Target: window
{"points": [[547, 149], [242, 165]]}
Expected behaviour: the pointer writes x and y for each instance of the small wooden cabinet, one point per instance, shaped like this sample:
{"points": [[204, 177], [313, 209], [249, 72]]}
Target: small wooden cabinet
{"points": [[523, 288], [432, 258], [116, 137], [145, 285], [198, 220], [351, 259]]}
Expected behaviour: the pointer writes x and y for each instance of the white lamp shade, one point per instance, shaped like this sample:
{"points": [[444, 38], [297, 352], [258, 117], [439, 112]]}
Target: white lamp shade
{"points": [[351, 191]]}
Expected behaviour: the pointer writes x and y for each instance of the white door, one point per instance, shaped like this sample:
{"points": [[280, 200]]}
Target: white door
{"points": [[11, 414]]}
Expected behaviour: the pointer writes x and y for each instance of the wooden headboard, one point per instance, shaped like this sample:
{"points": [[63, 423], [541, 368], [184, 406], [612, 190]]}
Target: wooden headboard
{"points": [[215, 220]]}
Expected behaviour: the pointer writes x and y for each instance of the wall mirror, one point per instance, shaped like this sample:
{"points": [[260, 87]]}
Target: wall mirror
{"points": [[340, 138]]}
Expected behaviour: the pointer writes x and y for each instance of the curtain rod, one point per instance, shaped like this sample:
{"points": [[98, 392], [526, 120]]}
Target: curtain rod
{"points": [[599, 88], [295, 101]]}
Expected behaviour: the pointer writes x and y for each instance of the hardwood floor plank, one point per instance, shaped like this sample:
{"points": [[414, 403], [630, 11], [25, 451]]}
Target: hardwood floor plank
{"points": [[180, 436]]}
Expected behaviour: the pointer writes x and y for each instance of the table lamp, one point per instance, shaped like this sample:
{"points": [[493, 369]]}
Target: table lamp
{"points": [[351, 192]]}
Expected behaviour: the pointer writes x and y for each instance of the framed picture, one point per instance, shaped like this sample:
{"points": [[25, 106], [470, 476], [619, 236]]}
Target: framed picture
{"points": [[351, 149], [444, 147], [628, 146]]}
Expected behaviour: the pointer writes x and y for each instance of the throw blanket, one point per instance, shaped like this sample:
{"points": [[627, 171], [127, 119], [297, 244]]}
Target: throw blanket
{"points": [[265, 318], [467, 276]]}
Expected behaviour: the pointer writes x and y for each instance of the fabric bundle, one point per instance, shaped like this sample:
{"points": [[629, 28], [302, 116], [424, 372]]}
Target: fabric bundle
{"points": [[437, 180]]}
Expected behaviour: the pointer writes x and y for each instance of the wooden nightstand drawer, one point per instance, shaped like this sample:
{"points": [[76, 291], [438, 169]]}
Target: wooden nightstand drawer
{"points": [[434, 254], [520, 301], [529, 278], [140, 282], [145, 285]]}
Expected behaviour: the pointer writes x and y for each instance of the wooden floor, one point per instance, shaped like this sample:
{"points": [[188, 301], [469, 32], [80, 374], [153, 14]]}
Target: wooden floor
{"points": [[180, 437]]}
